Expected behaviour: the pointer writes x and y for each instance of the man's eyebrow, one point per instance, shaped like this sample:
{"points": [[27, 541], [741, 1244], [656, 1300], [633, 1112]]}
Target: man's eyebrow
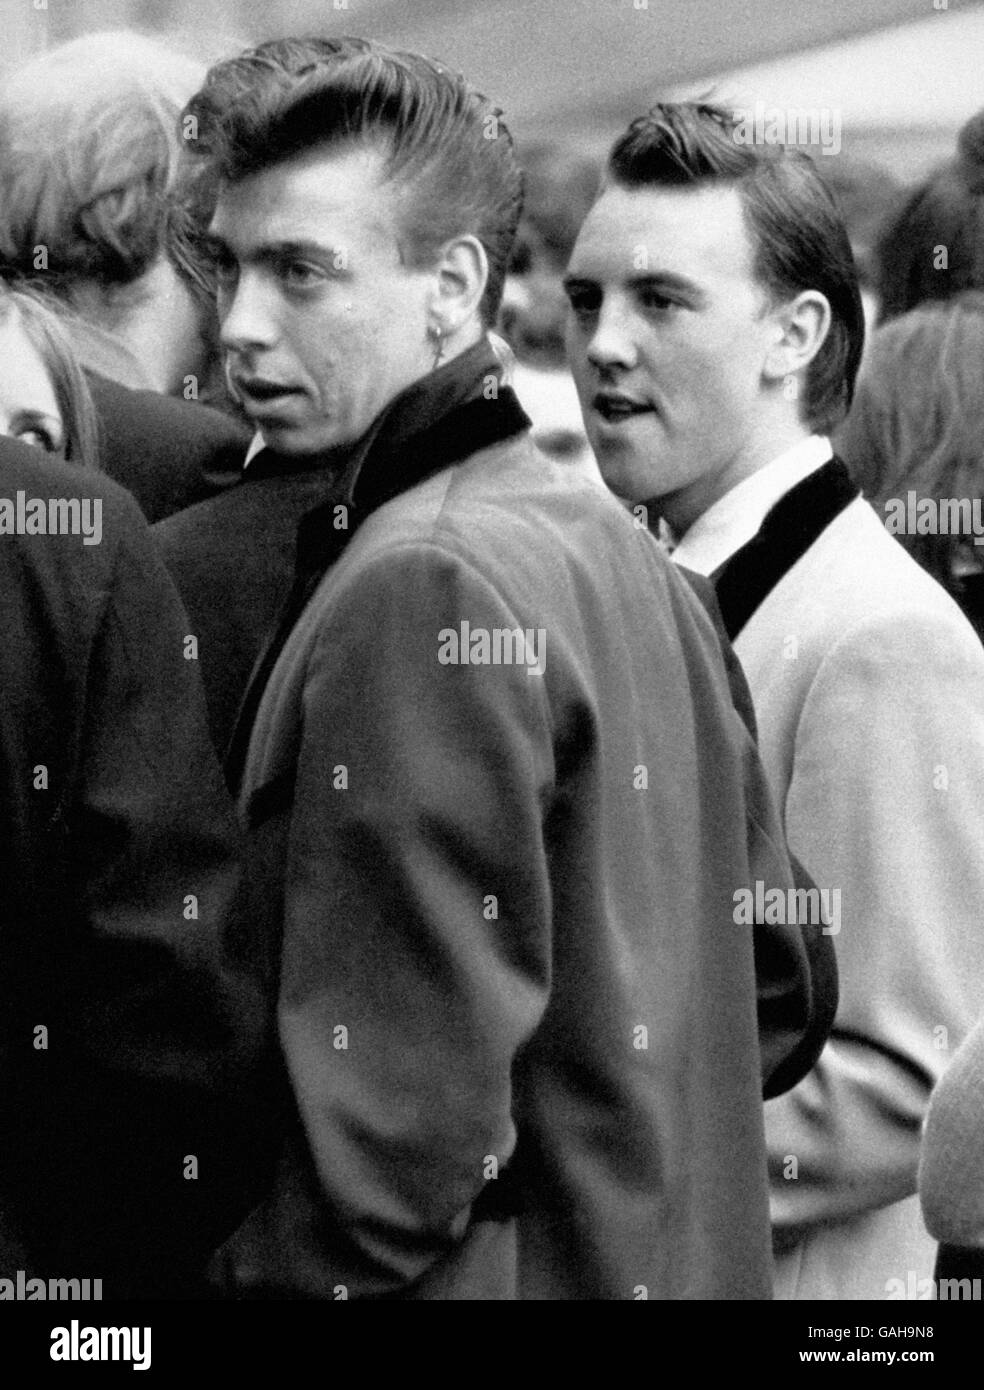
{"points": [[650, 279], [666, 280], [300, 249], [571, 282], [213, 243], [278, 250]]}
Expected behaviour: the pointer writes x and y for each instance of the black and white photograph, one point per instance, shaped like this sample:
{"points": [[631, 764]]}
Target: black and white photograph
{"points": [[491, 671]]}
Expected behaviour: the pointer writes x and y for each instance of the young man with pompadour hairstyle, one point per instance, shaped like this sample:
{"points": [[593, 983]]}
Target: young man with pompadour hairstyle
{"points": [[715, 333], [497, 794]]}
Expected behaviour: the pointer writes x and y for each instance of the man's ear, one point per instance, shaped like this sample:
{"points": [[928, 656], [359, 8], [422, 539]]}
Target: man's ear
{"points": [[461, 274], [800, 327]]}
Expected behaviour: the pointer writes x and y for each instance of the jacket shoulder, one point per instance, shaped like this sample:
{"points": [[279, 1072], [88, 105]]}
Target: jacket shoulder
{"points": [[41, 475], [115, 402], [502, 499], [857, 576], [168, 453]]}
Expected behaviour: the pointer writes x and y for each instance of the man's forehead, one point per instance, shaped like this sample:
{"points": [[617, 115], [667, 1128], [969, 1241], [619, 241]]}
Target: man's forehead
{"points": [[694, 231], [321, 192]]}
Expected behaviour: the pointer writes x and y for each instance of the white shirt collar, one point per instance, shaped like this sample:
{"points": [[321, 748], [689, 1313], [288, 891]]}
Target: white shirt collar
{"points": [[735, 518], [255, 445]]}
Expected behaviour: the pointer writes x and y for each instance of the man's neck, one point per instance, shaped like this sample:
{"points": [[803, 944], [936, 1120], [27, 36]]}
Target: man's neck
{"points": [[681, 509], [738, 515]]}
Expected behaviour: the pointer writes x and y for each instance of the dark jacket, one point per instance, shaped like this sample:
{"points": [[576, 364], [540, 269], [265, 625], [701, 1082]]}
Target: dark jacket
{"points": [[496, 908], [168, 453], [123, 1030], [789, 1050], [232, 560]]}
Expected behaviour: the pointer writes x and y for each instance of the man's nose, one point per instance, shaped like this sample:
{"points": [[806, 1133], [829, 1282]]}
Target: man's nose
{"points": [[612, 344], [247, 315]]}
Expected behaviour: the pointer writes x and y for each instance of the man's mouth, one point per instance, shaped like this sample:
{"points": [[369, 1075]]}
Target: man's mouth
{"points": [[259, 391], [614, 407]]}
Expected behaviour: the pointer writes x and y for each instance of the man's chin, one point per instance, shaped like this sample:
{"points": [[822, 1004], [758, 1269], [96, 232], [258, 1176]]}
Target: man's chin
{"points": [[623, 483], [296, 442]]}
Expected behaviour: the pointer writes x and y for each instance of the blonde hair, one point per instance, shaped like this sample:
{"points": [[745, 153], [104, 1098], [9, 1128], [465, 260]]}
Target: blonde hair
{"points": [[89, 153], [44, 331]]}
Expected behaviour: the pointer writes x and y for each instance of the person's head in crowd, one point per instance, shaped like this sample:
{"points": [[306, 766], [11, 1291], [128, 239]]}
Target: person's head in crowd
{"points": [[931, 246], [715, 315], [90, 155], [367, 203], [532, 323], [866, 194], [917, 424], [44, 398], [560, 185]]}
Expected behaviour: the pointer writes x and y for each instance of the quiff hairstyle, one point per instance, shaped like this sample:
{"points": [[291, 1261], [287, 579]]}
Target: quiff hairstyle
{"points": [[445, 145], [798, 235]]}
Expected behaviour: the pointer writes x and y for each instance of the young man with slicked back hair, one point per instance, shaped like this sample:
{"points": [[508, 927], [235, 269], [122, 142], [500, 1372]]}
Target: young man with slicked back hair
{"points": [[497, 795], [715, 333]]}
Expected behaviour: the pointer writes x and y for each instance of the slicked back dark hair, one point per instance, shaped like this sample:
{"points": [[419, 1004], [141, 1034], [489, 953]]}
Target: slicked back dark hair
{"points": [[798, 235], [444, 145]]}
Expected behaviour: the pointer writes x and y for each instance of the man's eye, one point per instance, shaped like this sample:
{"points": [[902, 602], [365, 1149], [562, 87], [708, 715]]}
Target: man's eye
{"points": [[301, 275], [584, 302], [225, 268], [653, 299]]}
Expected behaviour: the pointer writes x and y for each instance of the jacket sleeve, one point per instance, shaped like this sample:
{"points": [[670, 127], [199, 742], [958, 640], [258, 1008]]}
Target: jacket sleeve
{"points": [[796, 980], [951, 1173], [150, 1034], [797, 989], [417, 948], [885, 808], [152, 834]]}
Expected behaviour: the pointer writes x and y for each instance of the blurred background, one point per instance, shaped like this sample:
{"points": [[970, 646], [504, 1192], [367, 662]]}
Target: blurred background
{"points": [[901, 75]]}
